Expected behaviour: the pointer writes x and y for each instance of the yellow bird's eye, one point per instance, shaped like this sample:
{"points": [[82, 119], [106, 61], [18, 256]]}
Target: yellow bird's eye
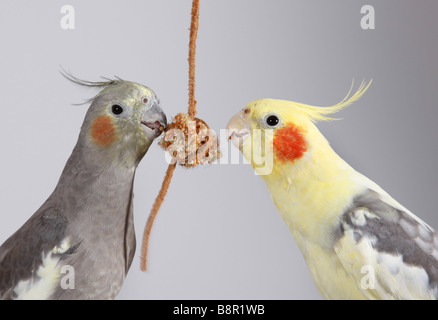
{"points": [[272, 121]]}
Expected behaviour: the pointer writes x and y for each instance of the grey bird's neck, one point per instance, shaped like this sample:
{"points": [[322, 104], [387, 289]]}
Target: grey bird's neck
{"points": [[94, 187]]}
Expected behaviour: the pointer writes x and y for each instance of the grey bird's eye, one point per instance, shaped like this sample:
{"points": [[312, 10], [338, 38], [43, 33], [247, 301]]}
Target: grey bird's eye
{"points": [[116, 109], [272, 121]]}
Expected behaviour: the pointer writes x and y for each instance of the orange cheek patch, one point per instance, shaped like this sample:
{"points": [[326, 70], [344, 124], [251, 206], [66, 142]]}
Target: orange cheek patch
{"points": [[103, 131], [289, 143]]}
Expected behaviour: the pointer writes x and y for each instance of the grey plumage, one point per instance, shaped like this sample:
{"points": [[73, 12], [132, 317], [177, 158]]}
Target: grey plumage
{"points": [[87, 222]]}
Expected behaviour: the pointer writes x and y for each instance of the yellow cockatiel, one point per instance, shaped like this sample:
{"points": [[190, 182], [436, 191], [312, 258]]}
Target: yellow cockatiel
{"points": [[358, 242]]}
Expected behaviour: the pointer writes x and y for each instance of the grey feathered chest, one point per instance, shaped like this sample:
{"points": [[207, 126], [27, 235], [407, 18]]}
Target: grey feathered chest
{"points": [[79, 244]]}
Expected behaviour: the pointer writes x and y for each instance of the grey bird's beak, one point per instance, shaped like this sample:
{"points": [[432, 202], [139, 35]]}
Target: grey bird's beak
{"points": [[154, 121]]}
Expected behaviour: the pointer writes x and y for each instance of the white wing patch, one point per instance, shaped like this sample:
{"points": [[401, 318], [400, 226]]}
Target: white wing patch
{"points": [[43, 285], [63, 247], [359, 216], [354, 257], [401, 280]]}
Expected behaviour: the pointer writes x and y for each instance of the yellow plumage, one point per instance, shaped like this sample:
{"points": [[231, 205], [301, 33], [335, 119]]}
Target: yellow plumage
{"points": [[325, 204]]}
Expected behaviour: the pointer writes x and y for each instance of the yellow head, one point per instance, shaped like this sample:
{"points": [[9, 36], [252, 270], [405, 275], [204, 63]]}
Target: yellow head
{"points": [[274, 133]]}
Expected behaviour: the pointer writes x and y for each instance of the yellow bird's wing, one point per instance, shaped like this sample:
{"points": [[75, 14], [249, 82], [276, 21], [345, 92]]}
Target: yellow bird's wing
{"points": [[389, 252]]}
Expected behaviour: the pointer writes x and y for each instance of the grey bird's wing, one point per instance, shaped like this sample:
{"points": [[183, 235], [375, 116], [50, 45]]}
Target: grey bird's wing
{"points": [[130, 241], [23, 253], [391, 253]]}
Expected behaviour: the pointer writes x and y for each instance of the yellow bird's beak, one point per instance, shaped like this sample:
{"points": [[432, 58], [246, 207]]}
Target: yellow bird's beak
{"points": [[238, 128]]}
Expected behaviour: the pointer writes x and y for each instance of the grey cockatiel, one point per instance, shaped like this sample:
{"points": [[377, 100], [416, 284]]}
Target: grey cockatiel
{"points": [[81, 242]]}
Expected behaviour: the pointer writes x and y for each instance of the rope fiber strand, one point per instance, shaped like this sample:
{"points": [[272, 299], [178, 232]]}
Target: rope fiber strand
{"points": [[155, 208], [192, 112], [192, 57]]}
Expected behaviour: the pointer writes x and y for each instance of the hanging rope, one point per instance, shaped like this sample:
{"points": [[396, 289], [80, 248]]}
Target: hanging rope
{"points": [[194, 25], [192, 154], [155, 208]]}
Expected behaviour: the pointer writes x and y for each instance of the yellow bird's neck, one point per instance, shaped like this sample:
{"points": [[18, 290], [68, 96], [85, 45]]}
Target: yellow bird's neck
{"points": [[309, 192]]}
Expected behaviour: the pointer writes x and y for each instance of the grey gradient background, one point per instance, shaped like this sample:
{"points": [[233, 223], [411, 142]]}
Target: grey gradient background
{"points": [[218, 235]]}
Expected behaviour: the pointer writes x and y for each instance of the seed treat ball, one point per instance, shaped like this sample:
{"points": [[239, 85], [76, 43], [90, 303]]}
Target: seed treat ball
{"points": [[190, 142]]}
